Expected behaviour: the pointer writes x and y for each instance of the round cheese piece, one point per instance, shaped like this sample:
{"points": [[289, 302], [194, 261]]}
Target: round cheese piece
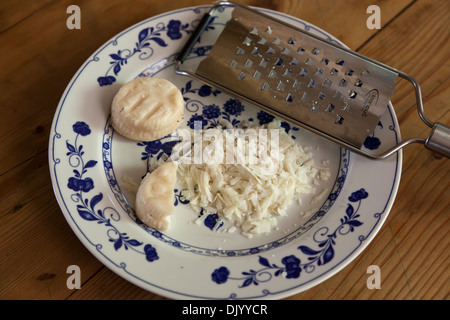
{"points": [[147, 109]]}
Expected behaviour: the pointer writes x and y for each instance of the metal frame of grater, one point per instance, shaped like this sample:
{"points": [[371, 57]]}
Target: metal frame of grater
{"points": [[358, 98]]}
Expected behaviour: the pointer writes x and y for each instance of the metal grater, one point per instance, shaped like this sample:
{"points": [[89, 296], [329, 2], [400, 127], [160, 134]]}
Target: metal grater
{"points": [[308, 81]]}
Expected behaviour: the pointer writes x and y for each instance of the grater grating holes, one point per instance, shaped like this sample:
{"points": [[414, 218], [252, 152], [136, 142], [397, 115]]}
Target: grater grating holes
{"points": [[327, 83], [270, 50], [305, 96], [279, 62], [303, 72], [315, 51], [339, 120], [289, 98], [285, 51], [287, 73], [281, 86], [314, 108], [336, 95], [247, 41], [300, 51], [255, 51], [330, 107], [290, 72], [263, 62], [274, 47], [262, 40], [248, 63], [312, 84], [321, 96]]}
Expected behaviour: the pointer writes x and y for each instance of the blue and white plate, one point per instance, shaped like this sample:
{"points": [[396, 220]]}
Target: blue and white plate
{"points": [[90, 164]]}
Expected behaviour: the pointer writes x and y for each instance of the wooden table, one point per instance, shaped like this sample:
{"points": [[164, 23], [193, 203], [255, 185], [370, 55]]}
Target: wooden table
{"points": [[39, 55]]}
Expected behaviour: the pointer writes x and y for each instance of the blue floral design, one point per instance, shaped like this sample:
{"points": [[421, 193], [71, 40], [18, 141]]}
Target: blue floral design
{"points": [[264, 117], [203, 91], [234, 107], [211, 220], [106, 81], [120, 58], [81, 128], [201, 51], [211, 111], [287, 127], [179, 198], [156, 148], [293, 266], [197, 122], [86, 207], [358, 195], [220, 275], [146, 37], [174, 28], [108, 165], [150, 253], [83, 185], [326, 253], [290, 270], [372, 143]]}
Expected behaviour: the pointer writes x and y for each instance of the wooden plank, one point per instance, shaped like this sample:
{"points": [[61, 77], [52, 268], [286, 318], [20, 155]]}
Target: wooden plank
{"points": [[12, 12], [346, 20], [37, 244]]}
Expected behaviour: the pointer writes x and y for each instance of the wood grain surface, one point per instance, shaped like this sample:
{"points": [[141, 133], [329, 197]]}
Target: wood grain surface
{"points": [[40, 55]]}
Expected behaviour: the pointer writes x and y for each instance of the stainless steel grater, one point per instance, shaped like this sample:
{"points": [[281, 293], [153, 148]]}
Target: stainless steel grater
{"points": [[308, 81]]}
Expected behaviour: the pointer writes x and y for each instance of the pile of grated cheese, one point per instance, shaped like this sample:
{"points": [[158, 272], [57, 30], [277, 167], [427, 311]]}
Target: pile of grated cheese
{"points": [[250, 195]]}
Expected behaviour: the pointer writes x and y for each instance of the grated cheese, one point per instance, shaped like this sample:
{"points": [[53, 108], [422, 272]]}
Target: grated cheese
{"points": [[249, 195]]}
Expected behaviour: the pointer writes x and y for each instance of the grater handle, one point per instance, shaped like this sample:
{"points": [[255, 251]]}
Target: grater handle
{"points": [[439, 139], [194, 38]]}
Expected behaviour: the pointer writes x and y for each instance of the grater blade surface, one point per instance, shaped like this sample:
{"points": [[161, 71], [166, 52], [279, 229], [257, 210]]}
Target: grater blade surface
{"points": [[299, 77]]}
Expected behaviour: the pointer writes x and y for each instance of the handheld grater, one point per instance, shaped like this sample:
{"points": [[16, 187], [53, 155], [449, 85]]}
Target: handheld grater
{"points": [[303, 79]]}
